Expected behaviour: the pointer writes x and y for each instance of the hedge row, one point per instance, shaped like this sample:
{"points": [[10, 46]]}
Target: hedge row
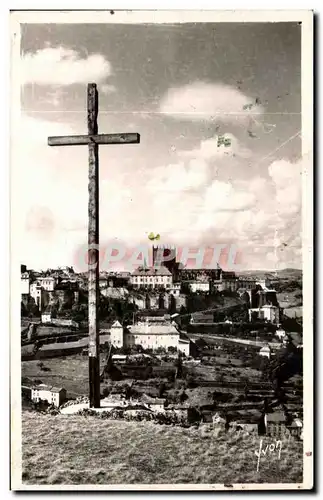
{"points": [[165, 418]]}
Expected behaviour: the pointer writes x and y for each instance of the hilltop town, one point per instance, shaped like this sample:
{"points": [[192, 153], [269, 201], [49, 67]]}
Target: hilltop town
{"points": [[189, 345]]}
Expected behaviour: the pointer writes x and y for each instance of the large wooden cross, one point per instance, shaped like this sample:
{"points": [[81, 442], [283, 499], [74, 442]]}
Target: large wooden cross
{"points": [[92, 140]]}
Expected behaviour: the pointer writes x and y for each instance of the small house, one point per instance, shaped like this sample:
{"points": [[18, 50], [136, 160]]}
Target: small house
{"points": [[53, 395], [296, 428], [199, 286], [280, 333], [175, 289], [46, 317], [275, 424], [184, 346], [265, 351], [119, 358]]}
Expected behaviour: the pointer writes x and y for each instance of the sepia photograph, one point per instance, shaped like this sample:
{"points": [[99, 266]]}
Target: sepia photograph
{"points": [[161, 190]]}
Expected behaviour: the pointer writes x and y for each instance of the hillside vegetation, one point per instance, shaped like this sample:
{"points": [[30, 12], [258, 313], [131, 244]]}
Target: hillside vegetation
{"points": [[87, 450]]}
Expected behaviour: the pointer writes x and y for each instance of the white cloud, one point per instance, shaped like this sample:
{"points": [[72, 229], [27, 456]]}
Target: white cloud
{"points": [[62, 66], [206, 101], [179, 177], [184, 202], [286, 177], [211, 149], [105, 88]]}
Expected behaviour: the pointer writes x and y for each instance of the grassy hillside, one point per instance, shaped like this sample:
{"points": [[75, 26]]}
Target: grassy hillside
{"points": [[71, 372], [288, 273], [78, 450]]}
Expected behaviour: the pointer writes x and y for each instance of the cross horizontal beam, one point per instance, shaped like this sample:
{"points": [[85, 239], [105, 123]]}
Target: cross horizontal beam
{"points": [[78, 140]]}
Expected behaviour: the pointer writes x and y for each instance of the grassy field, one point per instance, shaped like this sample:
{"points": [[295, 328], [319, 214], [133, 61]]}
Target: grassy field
{"points": [[78, 450], [71, 372]]}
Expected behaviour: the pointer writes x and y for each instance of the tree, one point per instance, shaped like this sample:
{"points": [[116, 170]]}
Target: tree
{"points": [[23, 309], [172, 304], [161, 301], [160, 350], [254, 316], [179, 367], [183, 310], [79, 313], [125, 350], [161, 389], [183, 396], [287, 362]]}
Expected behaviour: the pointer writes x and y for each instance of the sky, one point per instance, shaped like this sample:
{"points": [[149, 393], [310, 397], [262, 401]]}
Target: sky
{"points": [[181, 86]]}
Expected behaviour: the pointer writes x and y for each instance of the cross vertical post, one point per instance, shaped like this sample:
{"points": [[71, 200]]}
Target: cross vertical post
{"points": [[92, 140], [93, 251]]}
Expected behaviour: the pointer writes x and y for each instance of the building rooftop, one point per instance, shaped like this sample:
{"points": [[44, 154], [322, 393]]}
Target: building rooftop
{"points": [[119, 357], [45, 387], [183, 341], [198, 282], [154, 329], [229, 275], [57, 389], [276, 417], [297, 423], [265, 348], [116, 324], [152, 271]]}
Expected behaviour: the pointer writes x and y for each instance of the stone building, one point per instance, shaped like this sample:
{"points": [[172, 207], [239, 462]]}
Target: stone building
{"points": [[150, 277]]}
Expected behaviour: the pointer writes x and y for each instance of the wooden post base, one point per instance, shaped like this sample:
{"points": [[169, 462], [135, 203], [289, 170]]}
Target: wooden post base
{"points": [[94, 377]]}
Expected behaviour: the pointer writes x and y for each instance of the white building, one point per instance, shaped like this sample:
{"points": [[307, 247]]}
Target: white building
{"points": [[280, 333], [184, 346], [116, 334], [149, 335], [152, 336], [265, 351], [48, 283], [175, 289], [46, 317], [25, 280], [53, 395], [218, 285], [37, 293], [152, 277], [266, 312], [199, 286]]}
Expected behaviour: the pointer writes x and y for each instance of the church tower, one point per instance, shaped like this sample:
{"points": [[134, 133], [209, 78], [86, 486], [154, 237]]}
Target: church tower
{"points": [[116, 334], [165, 252]]}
